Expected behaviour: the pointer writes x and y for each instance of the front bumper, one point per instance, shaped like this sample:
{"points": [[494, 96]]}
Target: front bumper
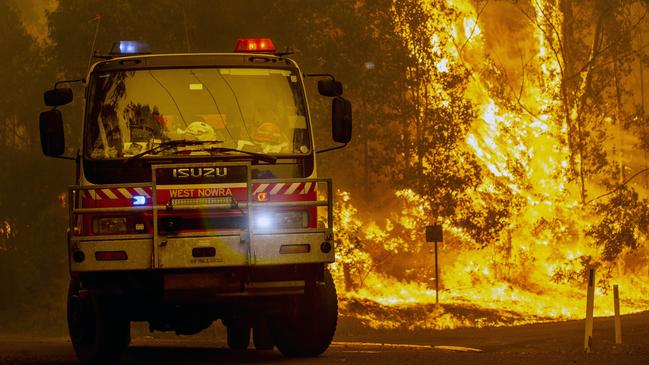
{"points": [[246, 246], [178, 252], [151, 289]]}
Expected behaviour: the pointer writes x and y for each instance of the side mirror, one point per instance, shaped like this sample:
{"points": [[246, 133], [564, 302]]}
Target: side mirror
{"points": [[341, 120], [58, 96], [52, 136], [330, 87]]}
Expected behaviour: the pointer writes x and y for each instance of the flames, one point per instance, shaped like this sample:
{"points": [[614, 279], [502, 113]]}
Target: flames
{"points": [[534, 271], [6, 233]]}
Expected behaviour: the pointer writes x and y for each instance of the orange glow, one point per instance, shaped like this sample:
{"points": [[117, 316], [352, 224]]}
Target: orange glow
{"points": [[6, 233]]}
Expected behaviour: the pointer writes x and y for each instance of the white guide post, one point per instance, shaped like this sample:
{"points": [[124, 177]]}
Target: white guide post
{"points": [[590, 299]]}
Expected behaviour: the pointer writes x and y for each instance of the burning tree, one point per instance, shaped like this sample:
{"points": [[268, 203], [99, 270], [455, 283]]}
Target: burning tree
{"points": [[519, 149]]}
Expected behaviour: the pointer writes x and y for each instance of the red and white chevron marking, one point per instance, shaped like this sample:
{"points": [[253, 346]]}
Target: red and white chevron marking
{"points": [[116, 193], [285, 188], [128, 193]]}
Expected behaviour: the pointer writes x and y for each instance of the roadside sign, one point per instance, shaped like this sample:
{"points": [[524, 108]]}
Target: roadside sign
{"points": [[434, 233]]}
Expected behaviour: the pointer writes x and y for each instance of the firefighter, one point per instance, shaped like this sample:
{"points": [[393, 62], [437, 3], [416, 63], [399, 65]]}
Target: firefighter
{"points": [[269, 137]]}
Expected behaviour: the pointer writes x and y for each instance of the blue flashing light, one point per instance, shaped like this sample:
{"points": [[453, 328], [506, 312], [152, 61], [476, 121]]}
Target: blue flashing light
{"points": [[127, 47], [130, 47], [139, 199]]}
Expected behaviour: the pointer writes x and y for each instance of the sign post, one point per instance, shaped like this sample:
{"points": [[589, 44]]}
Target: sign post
{"points": [[616, 306], [435, 234]]}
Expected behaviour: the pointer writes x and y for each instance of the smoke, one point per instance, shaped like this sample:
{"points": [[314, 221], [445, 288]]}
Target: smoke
{"points": [[33, 16], [509, 38]]}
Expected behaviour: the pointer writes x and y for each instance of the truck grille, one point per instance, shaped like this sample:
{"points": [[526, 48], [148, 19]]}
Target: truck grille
{"points": [[171, 224]]}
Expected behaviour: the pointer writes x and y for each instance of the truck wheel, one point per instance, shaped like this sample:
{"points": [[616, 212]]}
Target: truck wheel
{"points": [[261, 336], [239, 335], [310, 329], [99, 333]]}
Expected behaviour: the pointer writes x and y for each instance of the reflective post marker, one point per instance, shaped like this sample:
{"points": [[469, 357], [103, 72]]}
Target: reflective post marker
{"points": [[618, 324], [590, 299]]}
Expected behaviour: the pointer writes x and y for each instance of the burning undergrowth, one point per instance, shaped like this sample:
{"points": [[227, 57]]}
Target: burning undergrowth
{"points": [[429, 316], [387, 281]]}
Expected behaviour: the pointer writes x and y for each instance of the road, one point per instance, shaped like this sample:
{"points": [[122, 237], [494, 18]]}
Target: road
{"points": [[550, 343]]}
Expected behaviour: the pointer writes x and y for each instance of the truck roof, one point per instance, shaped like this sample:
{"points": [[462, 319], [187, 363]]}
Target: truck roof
{"points": [[186, 60]]}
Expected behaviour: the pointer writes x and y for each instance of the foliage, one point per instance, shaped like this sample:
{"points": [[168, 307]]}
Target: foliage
{"points": [[351, 248], [623, 223]]}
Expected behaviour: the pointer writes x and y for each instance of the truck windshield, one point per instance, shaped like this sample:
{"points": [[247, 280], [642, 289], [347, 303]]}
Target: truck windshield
{"points": [[251, 109]]}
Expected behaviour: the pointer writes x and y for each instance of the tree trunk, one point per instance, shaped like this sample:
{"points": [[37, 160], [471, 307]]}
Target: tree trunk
{"points": [[366, 155], [418, 108], [567, 35], [420, 143], [582, 91], [618, 119], [644, 120], [348, 278]]}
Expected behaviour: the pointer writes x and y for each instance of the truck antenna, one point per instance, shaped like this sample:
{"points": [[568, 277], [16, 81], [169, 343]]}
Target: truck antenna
{"points": [[94, 39], [182, 6]]}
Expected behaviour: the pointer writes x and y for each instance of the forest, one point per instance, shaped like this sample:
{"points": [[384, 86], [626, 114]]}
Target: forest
{"points": [[522, 127]]}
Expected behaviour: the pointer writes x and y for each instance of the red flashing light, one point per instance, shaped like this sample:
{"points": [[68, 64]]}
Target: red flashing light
{"points": [[255, 45]]}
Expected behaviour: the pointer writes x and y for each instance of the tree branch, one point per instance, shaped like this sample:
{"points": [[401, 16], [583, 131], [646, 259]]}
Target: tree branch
{"points": [[625, 182], [475, 25], [545, 34]]}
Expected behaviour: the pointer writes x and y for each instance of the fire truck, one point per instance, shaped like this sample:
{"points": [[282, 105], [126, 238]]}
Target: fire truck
{"points": [[197, 199]]}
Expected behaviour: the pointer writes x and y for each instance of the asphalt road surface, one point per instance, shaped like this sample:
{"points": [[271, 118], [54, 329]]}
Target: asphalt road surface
{"points": [[550, 343]]}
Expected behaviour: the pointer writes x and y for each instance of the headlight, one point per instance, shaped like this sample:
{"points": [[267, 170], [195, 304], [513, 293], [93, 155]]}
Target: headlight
{"points": [[264, 221], [282, 219], [109, 225]]}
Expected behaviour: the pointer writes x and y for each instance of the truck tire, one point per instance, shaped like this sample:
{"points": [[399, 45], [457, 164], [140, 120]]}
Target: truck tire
{"points": [[238, 335], [98, 331], [309, 330], [261, 336]]}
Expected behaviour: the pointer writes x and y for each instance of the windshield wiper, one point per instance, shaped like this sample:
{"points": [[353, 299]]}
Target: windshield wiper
{"points": [[258, 156], [164, 146]]}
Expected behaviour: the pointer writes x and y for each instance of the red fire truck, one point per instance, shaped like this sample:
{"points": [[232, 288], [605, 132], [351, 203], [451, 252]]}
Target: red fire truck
{"points": [[196, 199]]}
